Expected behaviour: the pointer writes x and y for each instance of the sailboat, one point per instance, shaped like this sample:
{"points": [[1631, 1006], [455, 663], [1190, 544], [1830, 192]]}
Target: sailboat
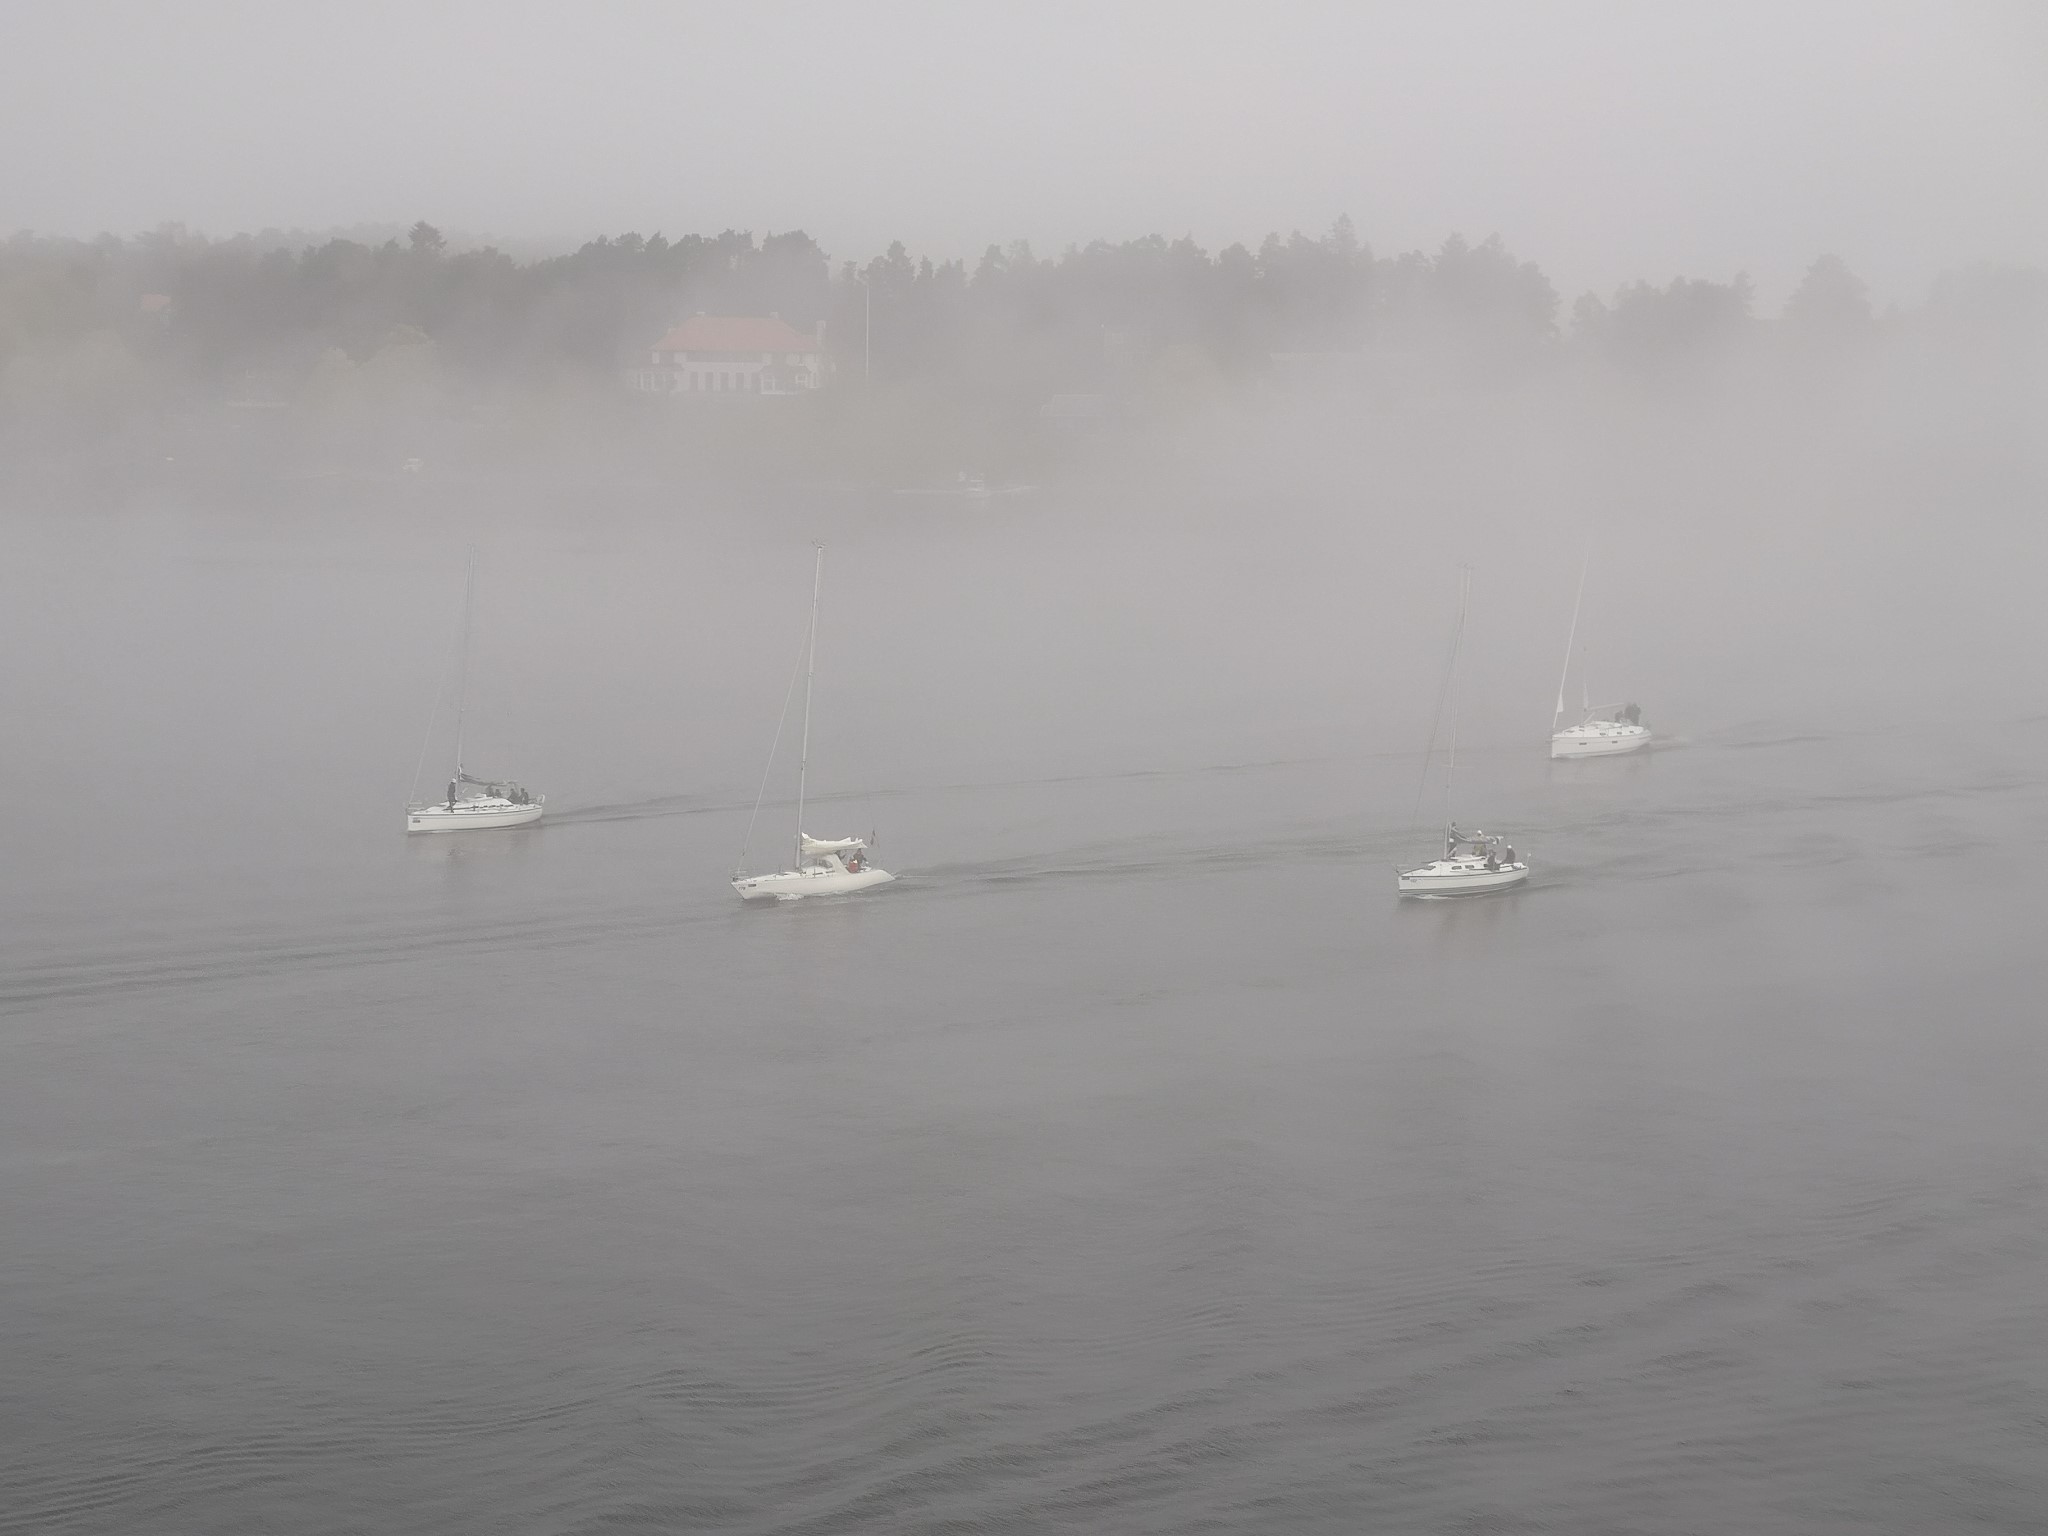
{"points": [[472, 804], [824, 866], [1604, 730], [1474, 863]]}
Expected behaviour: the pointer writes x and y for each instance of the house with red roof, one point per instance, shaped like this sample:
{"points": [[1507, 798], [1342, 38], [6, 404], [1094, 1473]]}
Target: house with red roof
{"points": [[733, 355]]}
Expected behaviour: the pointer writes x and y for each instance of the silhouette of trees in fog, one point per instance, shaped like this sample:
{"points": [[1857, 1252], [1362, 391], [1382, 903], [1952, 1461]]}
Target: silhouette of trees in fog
{"points": [[1680, 326], [1831, 305], [93, 333], [1096, 309]]}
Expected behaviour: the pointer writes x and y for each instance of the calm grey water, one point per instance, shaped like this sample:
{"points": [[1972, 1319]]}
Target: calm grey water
{"points": [[1135, 1163]]}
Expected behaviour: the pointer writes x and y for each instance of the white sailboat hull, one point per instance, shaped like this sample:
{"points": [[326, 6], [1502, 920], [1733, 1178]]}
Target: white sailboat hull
{"points": [[474, 815], [812, 880], [1599, 739], [1460, 877]]}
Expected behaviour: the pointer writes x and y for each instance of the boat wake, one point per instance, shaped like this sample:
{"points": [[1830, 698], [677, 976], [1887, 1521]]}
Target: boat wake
{"points": [[642, 810], [236, 956]]}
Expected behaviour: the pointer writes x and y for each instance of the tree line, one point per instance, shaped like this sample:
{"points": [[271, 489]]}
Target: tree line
{"points": [[93, 332]]}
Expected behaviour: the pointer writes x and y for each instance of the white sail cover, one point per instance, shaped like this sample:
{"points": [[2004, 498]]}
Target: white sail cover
{"points": [[814, 845]]}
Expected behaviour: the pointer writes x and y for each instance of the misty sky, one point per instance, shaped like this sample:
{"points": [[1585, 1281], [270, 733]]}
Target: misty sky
{"points": [[1606, 141]]}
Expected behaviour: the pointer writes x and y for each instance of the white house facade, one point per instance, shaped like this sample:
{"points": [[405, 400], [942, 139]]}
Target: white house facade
{"points": [[733, 355]]}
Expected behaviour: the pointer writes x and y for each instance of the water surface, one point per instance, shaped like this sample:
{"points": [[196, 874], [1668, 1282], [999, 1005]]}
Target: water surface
{"points": [[1135, 1162]]}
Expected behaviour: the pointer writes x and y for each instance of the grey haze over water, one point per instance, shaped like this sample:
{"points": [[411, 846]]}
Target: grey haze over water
{"points": [[1607, 141], [1135, 1162]]}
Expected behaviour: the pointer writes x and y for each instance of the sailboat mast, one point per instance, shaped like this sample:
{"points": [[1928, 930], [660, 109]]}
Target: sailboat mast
{"points": [[1571, 638], [462, 677], [1457, 646], [803, 762]]}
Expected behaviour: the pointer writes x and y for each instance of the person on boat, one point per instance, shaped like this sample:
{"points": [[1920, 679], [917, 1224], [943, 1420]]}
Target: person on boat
{"points": [[451, 794], [853, 862], [1492, 857], [1632, 714], [1508, 857]]}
